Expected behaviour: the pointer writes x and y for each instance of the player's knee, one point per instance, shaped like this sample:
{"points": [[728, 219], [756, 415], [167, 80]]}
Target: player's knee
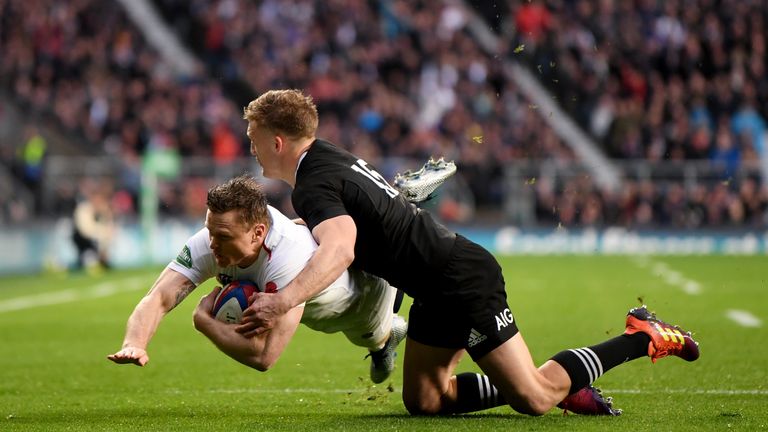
{"points": [[420, 405], [533, 409], [531, 403]]}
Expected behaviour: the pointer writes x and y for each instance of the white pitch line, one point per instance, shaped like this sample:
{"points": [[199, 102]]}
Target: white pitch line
{"points": [[103, 289], [670, 276], [723, 392], [743, 318], [692, 287], [286, 390]]}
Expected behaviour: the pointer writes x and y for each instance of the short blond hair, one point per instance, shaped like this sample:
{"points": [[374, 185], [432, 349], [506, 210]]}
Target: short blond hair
{"points": [[290, 112]]}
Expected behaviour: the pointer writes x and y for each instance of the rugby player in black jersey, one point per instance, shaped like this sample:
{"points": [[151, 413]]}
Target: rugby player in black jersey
{"points": [[460, 303]]}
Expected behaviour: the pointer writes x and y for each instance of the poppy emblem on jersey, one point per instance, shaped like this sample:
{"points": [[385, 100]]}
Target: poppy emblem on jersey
{"points": [[270, 287]]}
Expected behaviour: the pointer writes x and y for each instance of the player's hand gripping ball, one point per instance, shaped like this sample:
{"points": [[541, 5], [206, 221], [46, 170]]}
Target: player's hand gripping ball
{"points": [[231, 301]]}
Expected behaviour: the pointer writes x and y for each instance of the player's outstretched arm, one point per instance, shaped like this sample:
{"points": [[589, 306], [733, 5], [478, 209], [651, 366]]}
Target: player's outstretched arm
{"points": [[259, 352], [336, 251], [169, 290]]}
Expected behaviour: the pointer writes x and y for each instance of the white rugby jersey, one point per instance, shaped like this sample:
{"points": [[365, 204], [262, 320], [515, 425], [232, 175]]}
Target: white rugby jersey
{"points": [[285, 252]]}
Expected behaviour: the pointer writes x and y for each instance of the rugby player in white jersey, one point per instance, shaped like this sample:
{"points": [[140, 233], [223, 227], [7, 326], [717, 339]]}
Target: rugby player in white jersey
{"points": [[244, 238]]}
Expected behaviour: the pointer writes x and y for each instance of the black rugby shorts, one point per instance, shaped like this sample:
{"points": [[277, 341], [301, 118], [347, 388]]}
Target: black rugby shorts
{"points": [[466, 306]]}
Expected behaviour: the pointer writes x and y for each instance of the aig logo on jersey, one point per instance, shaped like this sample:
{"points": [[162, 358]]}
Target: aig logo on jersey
{"points": [[504, 319]]}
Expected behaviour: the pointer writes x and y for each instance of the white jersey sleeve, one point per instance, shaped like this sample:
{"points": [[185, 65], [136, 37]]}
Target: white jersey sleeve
{"points": [[196, 261]]}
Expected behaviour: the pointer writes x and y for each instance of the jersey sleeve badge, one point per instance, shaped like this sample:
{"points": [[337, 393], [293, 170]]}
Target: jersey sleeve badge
{"points": [[185, 257]]}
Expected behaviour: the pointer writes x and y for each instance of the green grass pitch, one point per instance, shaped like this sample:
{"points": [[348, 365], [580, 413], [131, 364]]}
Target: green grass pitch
{"points": [[56, 330]]}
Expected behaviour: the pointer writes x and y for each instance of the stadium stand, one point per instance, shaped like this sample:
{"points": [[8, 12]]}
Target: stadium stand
{"points": [[663, 82], [391, 79], [84, 65], [398, 80]]}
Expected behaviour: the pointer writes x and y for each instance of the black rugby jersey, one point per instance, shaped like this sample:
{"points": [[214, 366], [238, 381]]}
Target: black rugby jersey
{"points": [[395, 240]]}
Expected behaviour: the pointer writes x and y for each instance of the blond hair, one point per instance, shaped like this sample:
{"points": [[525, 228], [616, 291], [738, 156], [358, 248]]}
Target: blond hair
{"points": [[284, 111]]}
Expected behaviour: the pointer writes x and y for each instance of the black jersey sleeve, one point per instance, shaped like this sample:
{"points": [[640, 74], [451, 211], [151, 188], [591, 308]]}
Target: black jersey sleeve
{"points": [[318, 201], [394, 239]]}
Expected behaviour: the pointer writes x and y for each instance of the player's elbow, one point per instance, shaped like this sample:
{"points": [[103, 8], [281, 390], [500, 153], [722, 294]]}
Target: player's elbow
{"points": [[345, 255], [261, 363], [261, 367]]}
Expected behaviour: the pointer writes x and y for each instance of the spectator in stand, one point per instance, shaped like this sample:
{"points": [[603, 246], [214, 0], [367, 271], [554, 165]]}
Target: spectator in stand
{"points": [[30, 160]]}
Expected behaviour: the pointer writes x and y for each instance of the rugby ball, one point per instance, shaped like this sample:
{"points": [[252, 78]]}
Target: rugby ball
{"points": [[231, 301]]}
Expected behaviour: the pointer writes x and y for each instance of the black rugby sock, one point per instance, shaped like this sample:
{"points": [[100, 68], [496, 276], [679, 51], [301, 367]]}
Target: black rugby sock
{"points": [[474, 392], [585, 365]]}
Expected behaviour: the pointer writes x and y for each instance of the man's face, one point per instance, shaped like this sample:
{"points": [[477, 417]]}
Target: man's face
{"points": [[263, 148], [231, 241]]}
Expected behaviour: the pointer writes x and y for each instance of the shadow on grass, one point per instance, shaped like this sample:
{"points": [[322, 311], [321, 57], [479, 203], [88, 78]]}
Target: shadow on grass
{"points": [[184, 418]]}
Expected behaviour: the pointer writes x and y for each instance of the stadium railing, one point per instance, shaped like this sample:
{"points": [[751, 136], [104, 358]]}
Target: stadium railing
{"points": [[37, 244]]}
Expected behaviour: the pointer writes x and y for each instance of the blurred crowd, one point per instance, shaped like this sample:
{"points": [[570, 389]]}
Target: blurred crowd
{"points": [[85, 65], [658, 80], [390, 78], [646, 204], [405, 79]]}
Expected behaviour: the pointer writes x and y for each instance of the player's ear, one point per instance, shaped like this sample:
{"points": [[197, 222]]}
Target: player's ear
{"points": [[258, 233], [279, 143]]}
